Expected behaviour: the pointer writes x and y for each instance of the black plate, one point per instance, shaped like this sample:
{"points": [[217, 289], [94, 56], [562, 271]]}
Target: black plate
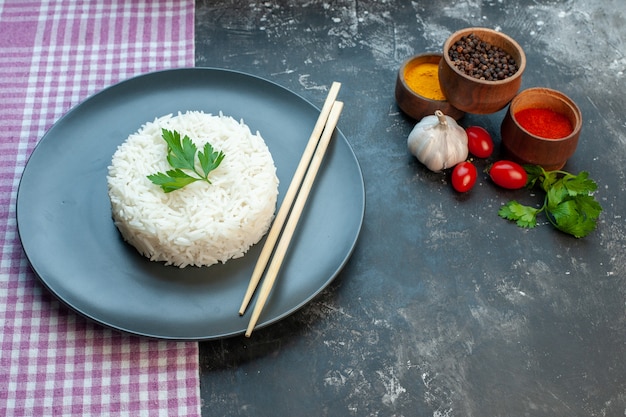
{"points": [[64, 219]]}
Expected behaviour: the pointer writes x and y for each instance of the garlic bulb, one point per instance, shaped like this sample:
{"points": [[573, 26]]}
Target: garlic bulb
{"points": [[438, 142]]}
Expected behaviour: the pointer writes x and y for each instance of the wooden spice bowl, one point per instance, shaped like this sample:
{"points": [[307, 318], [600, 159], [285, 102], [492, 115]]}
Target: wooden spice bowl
{"points": [[414, 104], [474, 95], [524, 147]]}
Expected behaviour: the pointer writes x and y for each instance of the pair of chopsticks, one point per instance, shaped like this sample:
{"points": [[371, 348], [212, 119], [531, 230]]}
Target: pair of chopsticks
{"points": [[309, 164]]}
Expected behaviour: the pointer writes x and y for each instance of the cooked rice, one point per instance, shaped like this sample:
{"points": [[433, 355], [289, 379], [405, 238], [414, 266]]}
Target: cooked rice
{"points": [[200, 224]]}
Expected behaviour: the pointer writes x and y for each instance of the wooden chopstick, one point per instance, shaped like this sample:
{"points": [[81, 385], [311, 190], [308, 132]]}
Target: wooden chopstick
{"points": [[296, 211], [285, 207]]}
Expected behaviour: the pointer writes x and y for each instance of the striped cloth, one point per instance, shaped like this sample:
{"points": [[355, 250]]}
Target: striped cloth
{"points": [[54, 54]]}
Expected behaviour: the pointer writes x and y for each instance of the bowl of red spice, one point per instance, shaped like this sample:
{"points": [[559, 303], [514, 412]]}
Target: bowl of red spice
{"points": [[541, 127], [418, 92], [481, 70]]}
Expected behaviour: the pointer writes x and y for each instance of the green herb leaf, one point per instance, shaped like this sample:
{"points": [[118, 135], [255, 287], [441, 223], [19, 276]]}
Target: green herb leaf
{"points": [[569, 204], [524, 216], [181, 155], [580, 184], [209, 159], [172, 180], [555, 195], [576, 215], [535, 172]]}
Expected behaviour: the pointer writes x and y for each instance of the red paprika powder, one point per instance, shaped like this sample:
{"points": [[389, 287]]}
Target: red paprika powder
{"points": [[545, 123]]}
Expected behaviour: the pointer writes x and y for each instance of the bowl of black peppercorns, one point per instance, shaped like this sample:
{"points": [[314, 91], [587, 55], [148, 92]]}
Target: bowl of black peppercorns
{"points": [[481, 70]]}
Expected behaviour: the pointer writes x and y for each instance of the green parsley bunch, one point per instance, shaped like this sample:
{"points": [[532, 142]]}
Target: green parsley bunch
{"points": [[569, 203]]}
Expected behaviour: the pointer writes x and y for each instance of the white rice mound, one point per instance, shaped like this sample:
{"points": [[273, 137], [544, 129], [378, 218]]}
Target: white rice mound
{"points": [[201, 224]]}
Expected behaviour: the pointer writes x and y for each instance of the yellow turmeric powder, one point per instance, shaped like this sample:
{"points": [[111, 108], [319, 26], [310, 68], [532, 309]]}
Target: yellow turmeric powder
{"points": [[424, 80]]}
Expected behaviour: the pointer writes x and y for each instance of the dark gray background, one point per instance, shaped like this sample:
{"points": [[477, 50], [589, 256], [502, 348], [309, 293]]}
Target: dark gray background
{"points": [[444, 309]]}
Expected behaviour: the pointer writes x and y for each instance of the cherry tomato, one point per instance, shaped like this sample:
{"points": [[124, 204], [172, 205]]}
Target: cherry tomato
{"points": [[479, 142], [508, 174], [463, 176]]}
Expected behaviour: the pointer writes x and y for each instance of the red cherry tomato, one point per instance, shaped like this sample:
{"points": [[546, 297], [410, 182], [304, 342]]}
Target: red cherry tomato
{"points": [[508, 174], [479, 142], [463, 176]]}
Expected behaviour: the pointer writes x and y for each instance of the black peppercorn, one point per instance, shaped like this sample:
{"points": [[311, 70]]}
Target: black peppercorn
{"points": [[481, 60]]}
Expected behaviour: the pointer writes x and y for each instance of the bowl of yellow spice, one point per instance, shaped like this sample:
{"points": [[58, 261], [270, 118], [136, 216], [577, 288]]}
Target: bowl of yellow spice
{"points": [[418, 92]]}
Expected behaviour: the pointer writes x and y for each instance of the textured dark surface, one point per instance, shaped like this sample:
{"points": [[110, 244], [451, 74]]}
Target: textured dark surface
{"points": [[444, 308]]}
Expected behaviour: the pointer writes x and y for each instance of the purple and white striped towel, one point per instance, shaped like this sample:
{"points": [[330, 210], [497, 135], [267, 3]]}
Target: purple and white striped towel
{"points": [[54, 54]]}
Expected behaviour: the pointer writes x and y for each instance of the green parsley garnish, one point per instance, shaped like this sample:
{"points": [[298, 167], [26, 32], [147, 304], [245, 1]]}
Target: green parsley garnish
{"points": [[181, 155], [569, 204]]}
